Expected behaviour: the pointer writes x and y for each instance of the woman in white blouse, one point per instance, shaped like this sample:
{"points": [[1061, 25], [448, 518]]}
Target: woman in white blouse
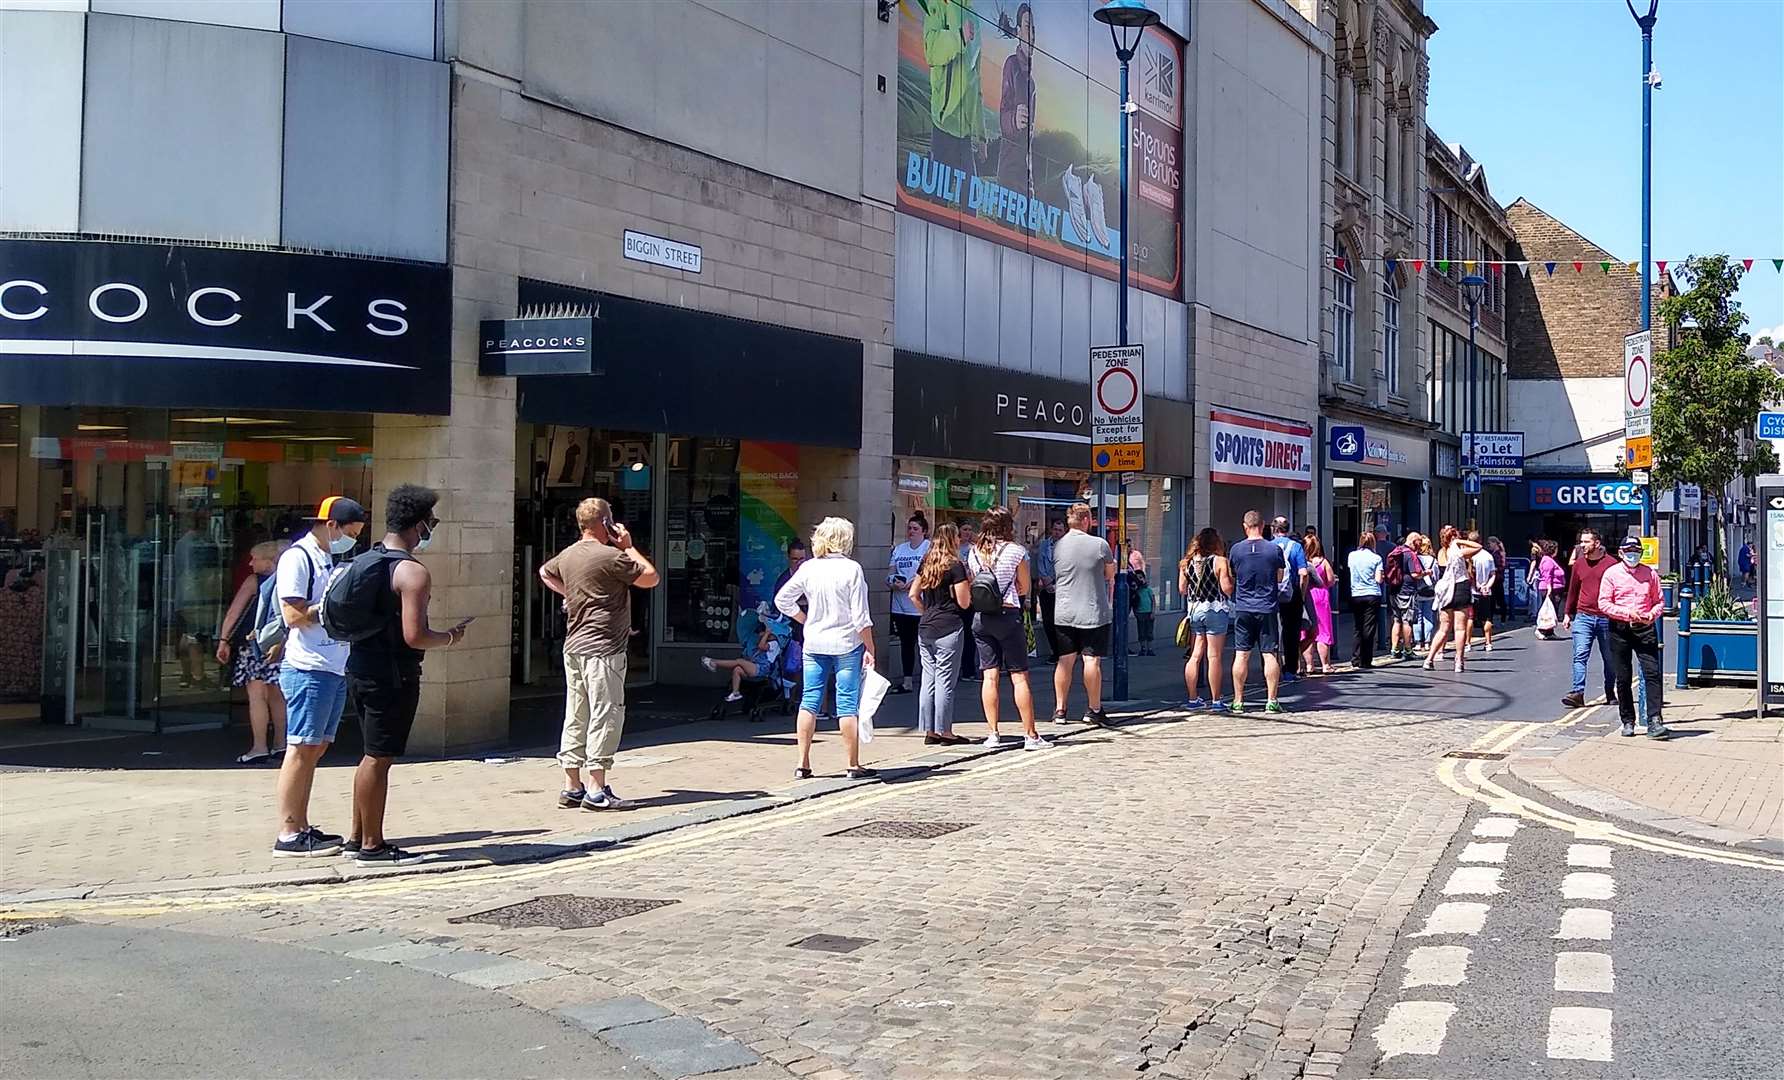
{"points": [[838, 636]]}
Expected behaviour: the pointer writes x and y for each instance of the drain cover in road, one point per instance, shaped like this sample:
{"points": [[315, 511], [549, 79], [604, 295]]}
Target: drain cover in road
{"points": [[564, 911], [835, 943], [1475, 755], [903, 830]]}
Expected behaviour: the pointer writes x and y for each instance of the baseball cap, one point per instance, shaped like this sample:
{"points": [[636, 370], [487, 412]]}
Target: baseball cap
{"points": [[1630, 543], [341, 510]]}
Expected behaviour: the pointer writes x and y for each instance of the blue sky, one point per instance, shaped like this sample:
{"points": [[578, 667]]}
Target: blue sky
{"points": [[1546, 94]]}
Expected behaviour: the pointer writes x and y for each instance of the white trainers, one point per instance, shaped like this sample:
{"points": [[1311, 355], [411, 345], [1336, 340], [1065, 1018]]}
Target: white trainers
{"points": [[734, 696], [707, 663], [992, 741], [1036, 742]]}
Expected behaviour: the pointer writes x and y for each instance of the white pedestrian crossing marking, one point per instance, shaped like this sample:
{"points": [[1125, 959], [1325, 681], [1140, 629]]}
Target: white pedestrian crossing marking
{"points": [[1483, 853], [1583, 973], [1592, 855], [1580, 1034], [1414, 1027], [1496, 826], [1435, 965], [1473, 881], [1585, 922], [1455, 917], [1584, 885]]}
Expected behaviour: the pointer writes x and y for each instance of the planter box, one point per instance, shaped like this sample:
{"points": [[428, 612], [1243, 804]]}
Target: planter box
{"points": [[1669, 595], [1720, 650]]}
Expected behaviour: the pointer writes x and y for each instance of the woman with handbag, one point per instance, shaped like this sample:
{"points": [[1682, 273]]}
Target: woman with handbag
{"points": [[1205, 579], [250, 666], [1455, 594], [1319, 634], [1551, 587]]}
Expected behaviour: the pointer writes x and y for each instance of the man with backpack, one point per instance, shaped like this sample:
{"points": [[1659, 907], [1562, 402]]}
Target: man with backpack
{"points": [[1292, 597], [1401, 575], [313, 673], [379, 603]]}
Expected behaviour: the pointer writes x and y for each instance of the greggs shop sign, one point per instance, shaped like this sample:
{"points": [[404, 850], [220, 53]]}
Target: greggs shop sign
{"points": [[1262, 451]]}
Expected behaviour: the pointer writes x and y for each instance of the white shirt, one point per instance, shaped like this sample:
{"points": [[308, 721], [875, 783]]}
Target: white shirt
{"points": [[308, 647], [906, 559], [835, 594], [1484, 569]]}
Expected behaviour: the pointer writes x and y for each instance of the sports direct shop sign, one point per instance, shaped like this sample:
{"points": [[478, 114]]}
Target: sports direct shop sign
{"points": [[1261, 451], [1009, 128]]}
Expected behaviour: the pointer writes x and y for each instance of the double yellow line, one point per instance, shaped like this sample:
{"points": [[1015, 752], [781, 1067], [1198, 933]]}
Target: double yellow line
{"points": [[1502, 738], [600, 859]]}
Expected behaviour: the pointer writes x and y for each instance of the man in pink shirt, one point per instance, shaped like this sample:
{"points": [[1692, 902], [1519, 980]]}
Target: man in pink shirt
{"points": [[1629, 596]]}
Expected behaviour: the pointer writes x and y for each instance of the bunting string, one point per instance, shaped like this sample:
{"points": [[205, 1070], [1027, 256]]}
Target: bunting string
{"points": [[1523, 266]]}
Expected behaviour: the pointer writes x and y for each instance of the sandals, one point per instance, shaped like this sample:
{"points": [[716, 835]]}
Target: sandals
{"points": [[802, 774], [254, 759], [860, 772]]}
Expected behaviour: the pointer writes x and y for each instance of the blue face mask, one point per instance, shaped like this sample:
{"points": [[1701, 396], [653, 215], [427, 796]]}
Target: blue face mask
{"points": [[421, 542], [1632, 558], [342, 544]]}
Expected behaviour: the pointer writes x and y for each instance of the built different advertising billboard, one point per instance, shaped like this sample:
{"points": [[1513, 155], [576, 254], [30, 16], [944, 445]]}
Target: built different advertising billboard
{"points": [[1009, 128]]}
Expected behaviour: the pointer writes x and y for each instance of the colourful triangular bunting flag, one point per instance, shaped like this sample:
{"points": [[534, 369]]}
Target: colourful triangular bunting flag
{"points": [[1579, 267], [1468, 265], [1778, 265], [1605, 266], [1340, 264], [1498, 268], [1443, 266], [1523, 268], [1550, 267], [1662, 265], [1746, 264], [1633, 267], [1418, 266], [1390, 264]]}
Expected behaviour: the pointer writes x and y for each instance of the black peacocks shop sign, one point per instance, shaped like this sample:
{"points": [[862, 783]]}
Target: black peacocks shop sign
{"points": [[87, 322], [551, 345]]}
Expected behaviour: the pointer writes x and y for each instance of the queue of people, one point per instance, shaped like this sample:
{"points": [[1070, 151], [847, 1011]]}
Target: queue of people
{"points": [[968, 602]]}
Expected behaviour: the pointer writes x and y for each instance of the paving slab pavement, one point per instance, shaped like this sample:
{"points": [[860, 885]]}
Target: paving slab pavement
{"points": [[1720, 778]]}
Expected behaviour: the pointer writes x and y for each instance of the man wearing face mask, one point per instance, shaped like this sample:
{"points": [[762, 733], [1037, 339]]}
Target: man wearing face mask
{"points": [[1630, 597], [313, 675], [384, 670]]}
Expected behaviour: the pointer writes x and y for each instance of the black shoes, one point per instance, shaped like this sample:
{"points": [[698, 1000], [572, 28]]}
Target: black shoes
{"points": [[311, 842]]}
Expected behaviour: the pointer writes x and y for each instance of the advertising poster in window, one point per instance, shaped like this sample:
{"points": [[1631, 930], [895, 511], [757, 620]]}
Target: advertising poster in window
{"points": [[1009, 128], [768, 494]]}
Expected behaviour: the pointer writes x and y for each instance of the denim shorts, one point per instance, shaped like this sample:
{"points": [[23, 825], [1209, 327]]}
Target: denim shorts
{"points": [[1210, 622], [846, 669], [313, 704]]}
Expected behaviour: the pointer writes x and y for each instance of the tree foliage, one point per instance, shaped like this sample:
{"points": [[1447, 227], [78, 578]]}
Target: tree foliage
{"points": [[1707, 391]]}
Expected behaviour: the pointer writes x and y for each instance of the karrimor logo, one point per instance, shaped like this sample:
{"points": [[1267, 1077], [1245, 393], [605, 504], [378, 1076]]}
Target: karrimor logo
{"points": [[1158, 79], [1543, 495]]}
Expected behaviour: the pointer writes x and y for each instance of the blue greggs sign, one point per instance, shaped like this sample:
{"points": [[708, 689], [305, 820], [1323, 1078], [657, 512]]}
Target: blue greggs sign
{"points": [[1564, 494]]}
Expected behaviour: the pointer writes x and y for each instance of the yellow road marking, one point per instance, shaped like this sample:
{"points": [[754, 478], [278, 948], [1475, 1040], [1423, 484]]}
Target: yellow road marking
{"points": [[1503, 801], [601, 857]]}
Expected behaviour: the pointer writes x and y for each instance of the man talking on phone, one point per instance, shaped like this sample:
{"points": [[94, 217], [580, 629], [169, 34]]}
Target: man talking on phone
{"points": [[595, 576], [384, 670]]}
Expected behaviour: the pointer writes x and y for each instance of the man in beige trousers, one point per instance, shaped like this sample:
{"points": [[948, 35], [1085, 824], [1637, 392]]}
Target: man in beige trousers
{"points": [[595, 576]]}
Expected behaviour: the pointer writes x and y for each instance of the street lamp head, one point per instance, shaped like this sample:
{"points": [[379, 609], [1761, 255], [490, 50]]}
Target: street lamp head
{"points": [[1474, 286], [1646, 22], [1126, 20]]}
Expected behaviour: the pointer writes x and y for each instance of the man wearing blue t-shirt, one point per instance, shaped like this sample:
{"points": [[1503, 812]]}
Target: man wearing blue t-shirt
{"points": [[1258, 570], [1295, 556]]}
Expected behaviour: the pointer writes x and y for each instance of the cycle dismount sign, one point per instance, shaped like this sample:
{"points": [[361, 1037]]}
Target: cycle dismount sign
{"points": [[1117, 408]]}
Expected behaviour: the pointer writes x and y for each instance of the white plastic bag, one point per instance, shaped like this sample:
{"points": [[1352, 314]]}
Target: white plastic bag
{"points": [[874, 688], [1545, 618]]}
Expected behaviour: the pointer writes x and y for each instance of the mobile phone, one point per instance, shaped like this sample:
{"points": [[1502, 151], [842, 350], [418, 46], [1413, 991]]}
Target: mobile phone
{"points": [[466, 621]]}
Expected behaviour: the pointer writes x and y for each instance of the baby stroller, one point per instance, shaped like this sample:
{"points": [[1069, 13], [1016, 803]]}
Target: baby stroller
{"points": [[774, 687]]}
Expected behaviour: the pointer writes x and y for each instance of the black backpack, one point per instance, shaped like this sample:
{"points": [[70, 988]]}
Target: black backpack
{"points": [[353, 605], [987, 594]]}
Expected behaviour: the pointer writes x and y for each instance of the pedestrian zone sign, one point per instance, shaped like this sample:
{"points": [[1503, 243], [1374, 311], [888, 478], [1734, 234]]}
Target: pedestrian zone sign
{"points": [[1117, 408]]}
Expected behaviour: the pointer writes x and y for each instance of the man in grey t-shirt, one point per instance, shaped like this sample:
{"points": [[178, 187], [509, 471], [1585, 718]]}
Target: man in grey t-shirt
{"points": [[1083, 608]]}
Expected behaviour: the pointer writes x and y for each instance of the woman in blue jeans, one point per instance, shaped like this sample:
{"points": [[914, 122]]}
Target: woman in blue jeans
{"points": [[943, 596], [838, 636]]}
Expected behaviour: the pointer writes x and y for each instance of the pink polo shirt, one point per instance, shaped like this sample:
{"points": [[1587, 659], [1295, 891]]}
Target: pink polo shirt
{"points": [[1630, 593]]}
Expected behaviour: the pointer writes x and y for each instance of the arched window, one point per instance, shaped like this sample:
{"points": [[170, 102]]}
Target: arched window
{"points": [[1344, 313], [1390, 332]]}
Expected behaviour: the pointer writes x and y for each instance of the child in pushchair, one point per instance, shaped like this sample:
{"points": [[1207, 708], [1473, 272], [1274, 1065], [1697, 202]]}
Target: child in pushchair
{"points": [[760, 677]]}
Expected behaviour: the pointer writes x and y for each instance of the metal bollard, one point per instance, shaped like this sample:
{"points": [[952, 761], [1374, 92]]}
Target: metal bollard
{"points": [[1680, 680]]}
